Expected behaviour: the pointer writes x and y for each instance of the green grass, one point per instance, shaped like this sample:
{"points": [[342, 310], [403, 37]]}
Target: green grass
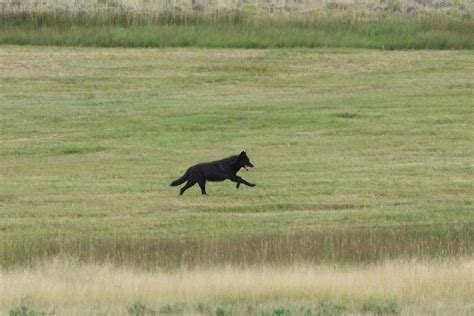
{"points": [[346, 143], [327, 29], [323, 308]]}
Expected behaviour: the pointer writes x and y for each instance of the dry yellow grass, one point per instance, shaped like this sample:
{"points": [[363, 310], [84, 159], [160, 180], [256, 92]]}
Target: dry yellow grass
{"points": [[68, 286], [246, 6]]}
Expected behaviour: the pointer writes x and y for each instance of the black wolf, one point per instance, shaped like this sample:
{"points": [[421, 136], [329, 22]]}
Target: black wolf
{"points": [[219, 170]]}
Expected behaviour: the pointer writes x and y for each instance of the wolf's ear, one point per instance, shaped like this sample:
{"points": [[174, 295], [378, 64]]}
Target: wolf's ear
{"points": [[242, 153]]}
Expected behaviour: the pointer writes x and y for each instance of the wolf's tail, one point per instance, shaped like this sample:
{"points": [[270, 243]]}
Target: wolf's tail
{"points": [[180, 180]]}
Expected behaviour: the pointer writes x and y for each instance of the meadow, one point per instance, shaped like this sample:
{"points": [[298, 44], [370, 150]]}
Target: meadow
{"points": [[363, 170]]}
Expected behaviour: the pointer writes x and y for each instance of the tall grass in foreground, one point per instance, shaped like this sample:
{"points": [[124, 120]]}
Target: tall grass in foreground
{"points": [[373, 24], [390, 287], [340, 246]]}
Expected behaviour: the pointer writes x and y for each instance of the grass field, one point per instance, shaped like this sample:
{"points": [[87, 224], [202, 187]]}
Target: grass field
{"points": [[361, 156]]}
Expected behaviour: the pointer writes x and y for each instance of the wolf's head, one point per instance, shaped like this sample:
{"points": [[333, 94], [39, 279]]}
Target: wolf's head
{"points": [[244, 160]]}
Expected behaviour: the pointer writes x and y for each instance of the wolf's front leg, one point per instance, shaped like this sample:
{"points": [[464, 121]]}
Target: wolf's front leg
{"points": [[240, 180]]}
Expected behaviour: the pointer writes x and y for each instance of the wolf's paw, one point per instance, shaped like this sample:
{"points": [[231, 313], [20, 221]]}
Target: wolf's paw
{"points": [[252, 185]]}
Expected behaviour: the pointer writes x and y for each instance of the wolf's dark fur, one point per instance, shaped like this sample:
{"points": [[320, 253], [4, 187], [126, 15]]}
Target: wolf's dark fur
{"points": [[219, 170]]}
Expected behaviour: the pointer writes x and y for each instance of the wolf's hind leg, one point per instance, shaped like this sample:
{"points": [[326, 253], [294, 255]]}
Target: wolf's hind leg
{"points": [[188, 184], [202, 185]]}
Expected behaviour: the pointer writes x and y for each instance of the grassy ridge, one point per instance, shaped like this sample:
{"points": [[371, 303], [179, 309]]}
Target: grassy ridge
{"points": [[434, 31]]}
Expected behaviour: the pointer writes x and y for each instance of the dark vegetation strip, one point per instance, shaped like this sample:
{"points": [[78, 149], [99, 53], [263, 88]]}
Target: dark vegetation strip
{"points": [[122, 29], [340, 246]]}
